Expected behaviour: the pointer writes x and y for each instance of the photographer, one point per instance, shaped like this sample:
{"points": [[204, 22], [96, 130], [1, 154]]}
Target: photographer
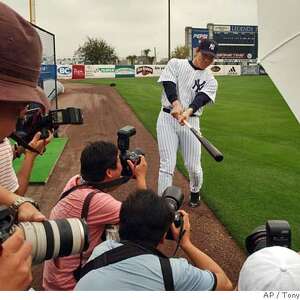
{"points": [[20, 61], [100, 164], [134, 263]]}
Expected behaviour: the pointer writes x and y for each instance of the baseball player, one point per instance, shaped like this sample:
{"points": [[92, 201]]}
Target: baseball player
{"points": [[188, 86]]}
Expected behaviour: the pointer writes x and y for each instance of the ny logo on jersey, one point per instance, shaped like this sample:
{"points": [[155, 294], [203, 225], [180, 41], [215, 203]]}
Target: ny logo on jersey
{"points": [[198, 86]]}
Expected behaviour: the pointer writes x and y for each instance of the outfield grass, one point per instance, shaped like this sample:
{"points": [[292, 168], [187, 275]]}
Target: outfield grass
{"points": [[260, 138]]}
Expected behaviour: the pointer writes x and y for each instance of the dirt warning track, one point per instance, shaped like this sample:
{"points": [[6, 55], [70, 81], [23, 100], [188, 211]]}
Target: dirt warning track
{"points": [[104, 112]]}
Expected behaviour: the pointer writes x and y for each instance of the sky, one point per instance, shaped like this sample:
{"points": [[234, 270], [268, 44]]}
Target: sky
{"points": [[132, 25]]}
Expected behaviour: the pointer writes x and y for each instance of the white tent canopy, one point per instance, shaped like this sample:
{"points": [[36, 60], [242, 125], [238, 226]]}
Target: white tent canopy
{"points": [[279, 47]]}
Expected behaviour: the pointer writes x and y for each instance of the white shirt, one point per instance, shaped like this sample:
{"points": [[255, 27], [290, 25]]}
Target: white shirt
{"points": [[189, 82]]}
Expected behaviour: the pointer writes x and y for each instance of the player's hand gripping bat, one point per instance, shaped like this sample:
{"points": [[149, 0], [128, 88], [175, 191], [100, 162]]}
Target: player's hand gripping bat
{"points": [[211, 149]]}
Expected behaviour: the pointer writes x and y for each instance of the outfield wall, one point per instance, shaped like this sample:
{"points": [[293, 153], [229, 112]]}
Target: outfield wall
{"points": [[117, 71]]}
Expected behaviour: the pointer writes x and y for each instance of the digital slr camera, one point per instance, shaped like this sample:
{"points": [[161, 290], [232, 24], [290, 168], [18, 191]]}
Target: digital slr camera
{"points": [[124, 135], [49, 239], [174, 197], [35, 121], [274, 233]]}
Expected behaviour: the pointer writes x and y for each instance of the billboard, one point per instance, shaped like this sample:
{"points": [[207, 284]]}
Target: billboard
{"points": [[99, 71], [235, 41], [148, 70], [64, 71], [78, 72], [125, 71], [197, 35]]}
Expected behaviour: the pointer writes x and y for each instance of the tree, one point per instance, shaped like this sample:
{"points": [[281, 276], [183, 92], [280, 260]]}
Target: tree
{"points": [[132, 59], [181, 52], [146, 52], [96, 51]]}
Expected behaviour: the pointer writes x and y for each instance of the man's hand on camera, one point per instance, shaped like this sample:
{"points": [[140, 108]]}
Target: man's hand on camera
{"points": [[185, 239], [15, 263], [27, 212], [139, 172], [39, 144]]}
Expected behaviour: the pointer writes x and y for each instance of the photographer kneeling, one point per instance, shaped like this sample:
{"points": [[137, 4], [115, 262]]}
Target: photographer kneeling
{"points": [[100, 164], [134, 263]]}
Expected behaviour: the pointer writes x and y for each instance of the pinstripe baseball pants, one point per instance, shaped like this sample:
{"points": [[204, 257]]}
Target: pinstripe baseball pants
{"points": [[170, 136]]}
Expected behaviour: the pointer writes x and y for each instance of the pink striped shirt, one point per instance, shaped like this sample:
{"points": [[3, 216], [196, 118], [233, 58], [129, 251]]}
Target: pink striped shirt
{"points": [[103, 209]]}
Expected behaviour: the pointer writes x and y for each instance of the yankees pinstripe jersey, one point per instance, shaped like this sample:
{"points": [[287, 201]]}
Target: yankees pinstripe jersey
{"points": [[189, 82]]}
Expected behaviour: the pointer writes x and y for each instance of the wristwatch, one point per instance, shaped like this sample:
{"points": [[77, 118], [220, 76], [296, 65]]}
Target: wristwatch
{"points": [[21, 200]]}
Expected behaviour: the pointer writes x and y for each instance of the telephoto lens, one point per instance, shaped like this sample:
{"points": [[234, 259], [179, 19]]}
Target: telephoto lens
{"points": [[55, 238]]}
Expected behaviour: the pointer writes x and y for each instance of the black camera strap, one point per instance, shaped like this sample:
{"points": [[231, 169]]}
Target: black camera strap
{"points": [[128, 250], [22, 143], [97, 185]]}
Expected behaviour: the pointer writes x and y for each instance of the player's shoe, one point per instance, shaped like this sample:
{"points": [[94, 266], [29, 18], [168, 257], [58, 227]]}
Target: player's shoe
{"points": [[194, 200]]}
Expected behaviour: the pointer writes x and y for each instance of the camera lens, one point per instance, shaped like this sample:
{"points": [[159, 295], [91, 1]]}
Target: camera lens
{"points": [[55, 238], [256, 240]]}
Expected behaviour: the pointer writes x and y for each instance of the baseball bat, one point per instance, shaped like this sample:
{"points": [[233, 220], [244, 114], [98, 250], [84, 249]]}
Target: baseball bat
{"points": [[211, 149]]}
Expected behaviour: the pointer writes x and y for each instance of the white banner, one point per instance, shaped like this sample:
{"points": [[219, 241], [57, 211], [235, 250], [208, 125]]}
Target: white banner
{"points": [[225, 70], [100, 71], [64, 71], [148, 70]]}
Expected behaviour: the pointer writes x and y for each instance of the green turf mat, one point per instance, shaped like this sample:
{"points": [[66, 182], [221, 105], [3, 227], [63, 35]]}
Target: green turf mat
{"points": [[45, 164]]}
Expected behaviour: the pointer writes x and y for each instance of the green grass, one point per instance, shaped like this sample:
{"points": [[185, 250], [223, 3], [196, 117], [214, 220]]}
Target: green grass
{"points": [[45, 164], [260, 138]]}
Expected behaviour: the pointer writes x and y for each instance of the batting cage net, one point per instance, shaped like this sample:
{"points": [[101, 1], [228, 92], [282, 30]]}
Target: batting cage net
{"points": [[48, 76]]}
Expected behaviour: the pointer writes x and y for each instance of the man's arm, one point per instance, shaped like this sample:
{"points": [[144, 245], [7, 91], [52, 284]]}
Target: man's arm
{"points": [[27, 165], [199, 258], [171, 93], [26, 211]]}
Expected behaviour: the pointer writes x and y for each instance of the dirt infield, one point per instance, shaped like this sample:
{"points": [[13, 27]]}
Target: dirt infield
{"points": [[104, 113]]}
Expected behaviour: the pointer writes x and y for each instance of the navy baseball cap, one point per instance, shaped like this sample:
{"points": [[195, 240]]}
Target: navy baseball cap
{"points": [[209, 47]]}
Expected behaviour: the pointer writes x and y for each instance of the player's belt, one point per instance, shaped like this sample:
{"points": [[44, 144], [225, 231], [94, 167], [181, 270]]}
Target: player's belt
{"points": [[168, 110]]}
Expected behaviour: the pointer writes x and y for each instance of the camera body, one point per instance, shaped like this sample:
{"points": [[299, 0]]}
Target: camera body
{"points": [[274, 233], [49, 239], [174, 197], [35, 121], [124, 135]]}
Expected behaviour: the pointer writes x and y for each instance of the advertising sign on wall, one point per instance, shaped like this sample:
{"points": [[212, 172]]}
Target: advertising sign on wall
{"points": [[197, 35], [78, 72], [148, 70], [232, 70], [64, 71], [99, 71], [125, 71]]}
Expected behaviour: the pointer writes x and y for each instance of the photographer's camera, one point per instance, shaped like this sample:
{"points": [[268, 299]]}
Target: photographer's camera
{"points": [[49, 239]]}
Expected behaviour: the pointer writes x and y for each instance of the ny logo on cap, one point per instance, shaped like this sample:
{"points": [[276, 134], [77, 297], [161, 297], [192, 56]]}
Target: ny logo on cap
{"points": [[212, 47]]}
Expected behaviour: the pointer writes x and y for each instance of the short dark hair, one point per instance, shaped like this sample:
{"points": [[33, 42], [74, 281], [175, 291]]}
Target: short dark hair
{"points": [[145, 217], [96, 158]]}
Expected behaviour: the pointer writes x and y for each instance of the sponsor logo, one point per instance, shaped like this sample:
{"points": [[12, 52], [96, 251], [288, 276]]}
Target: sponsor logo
{"points": [[232, 71], [124, 71], [105, 70], [144, 70], [64, 70], [238, 28], [200, 36], [215, 69]]}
